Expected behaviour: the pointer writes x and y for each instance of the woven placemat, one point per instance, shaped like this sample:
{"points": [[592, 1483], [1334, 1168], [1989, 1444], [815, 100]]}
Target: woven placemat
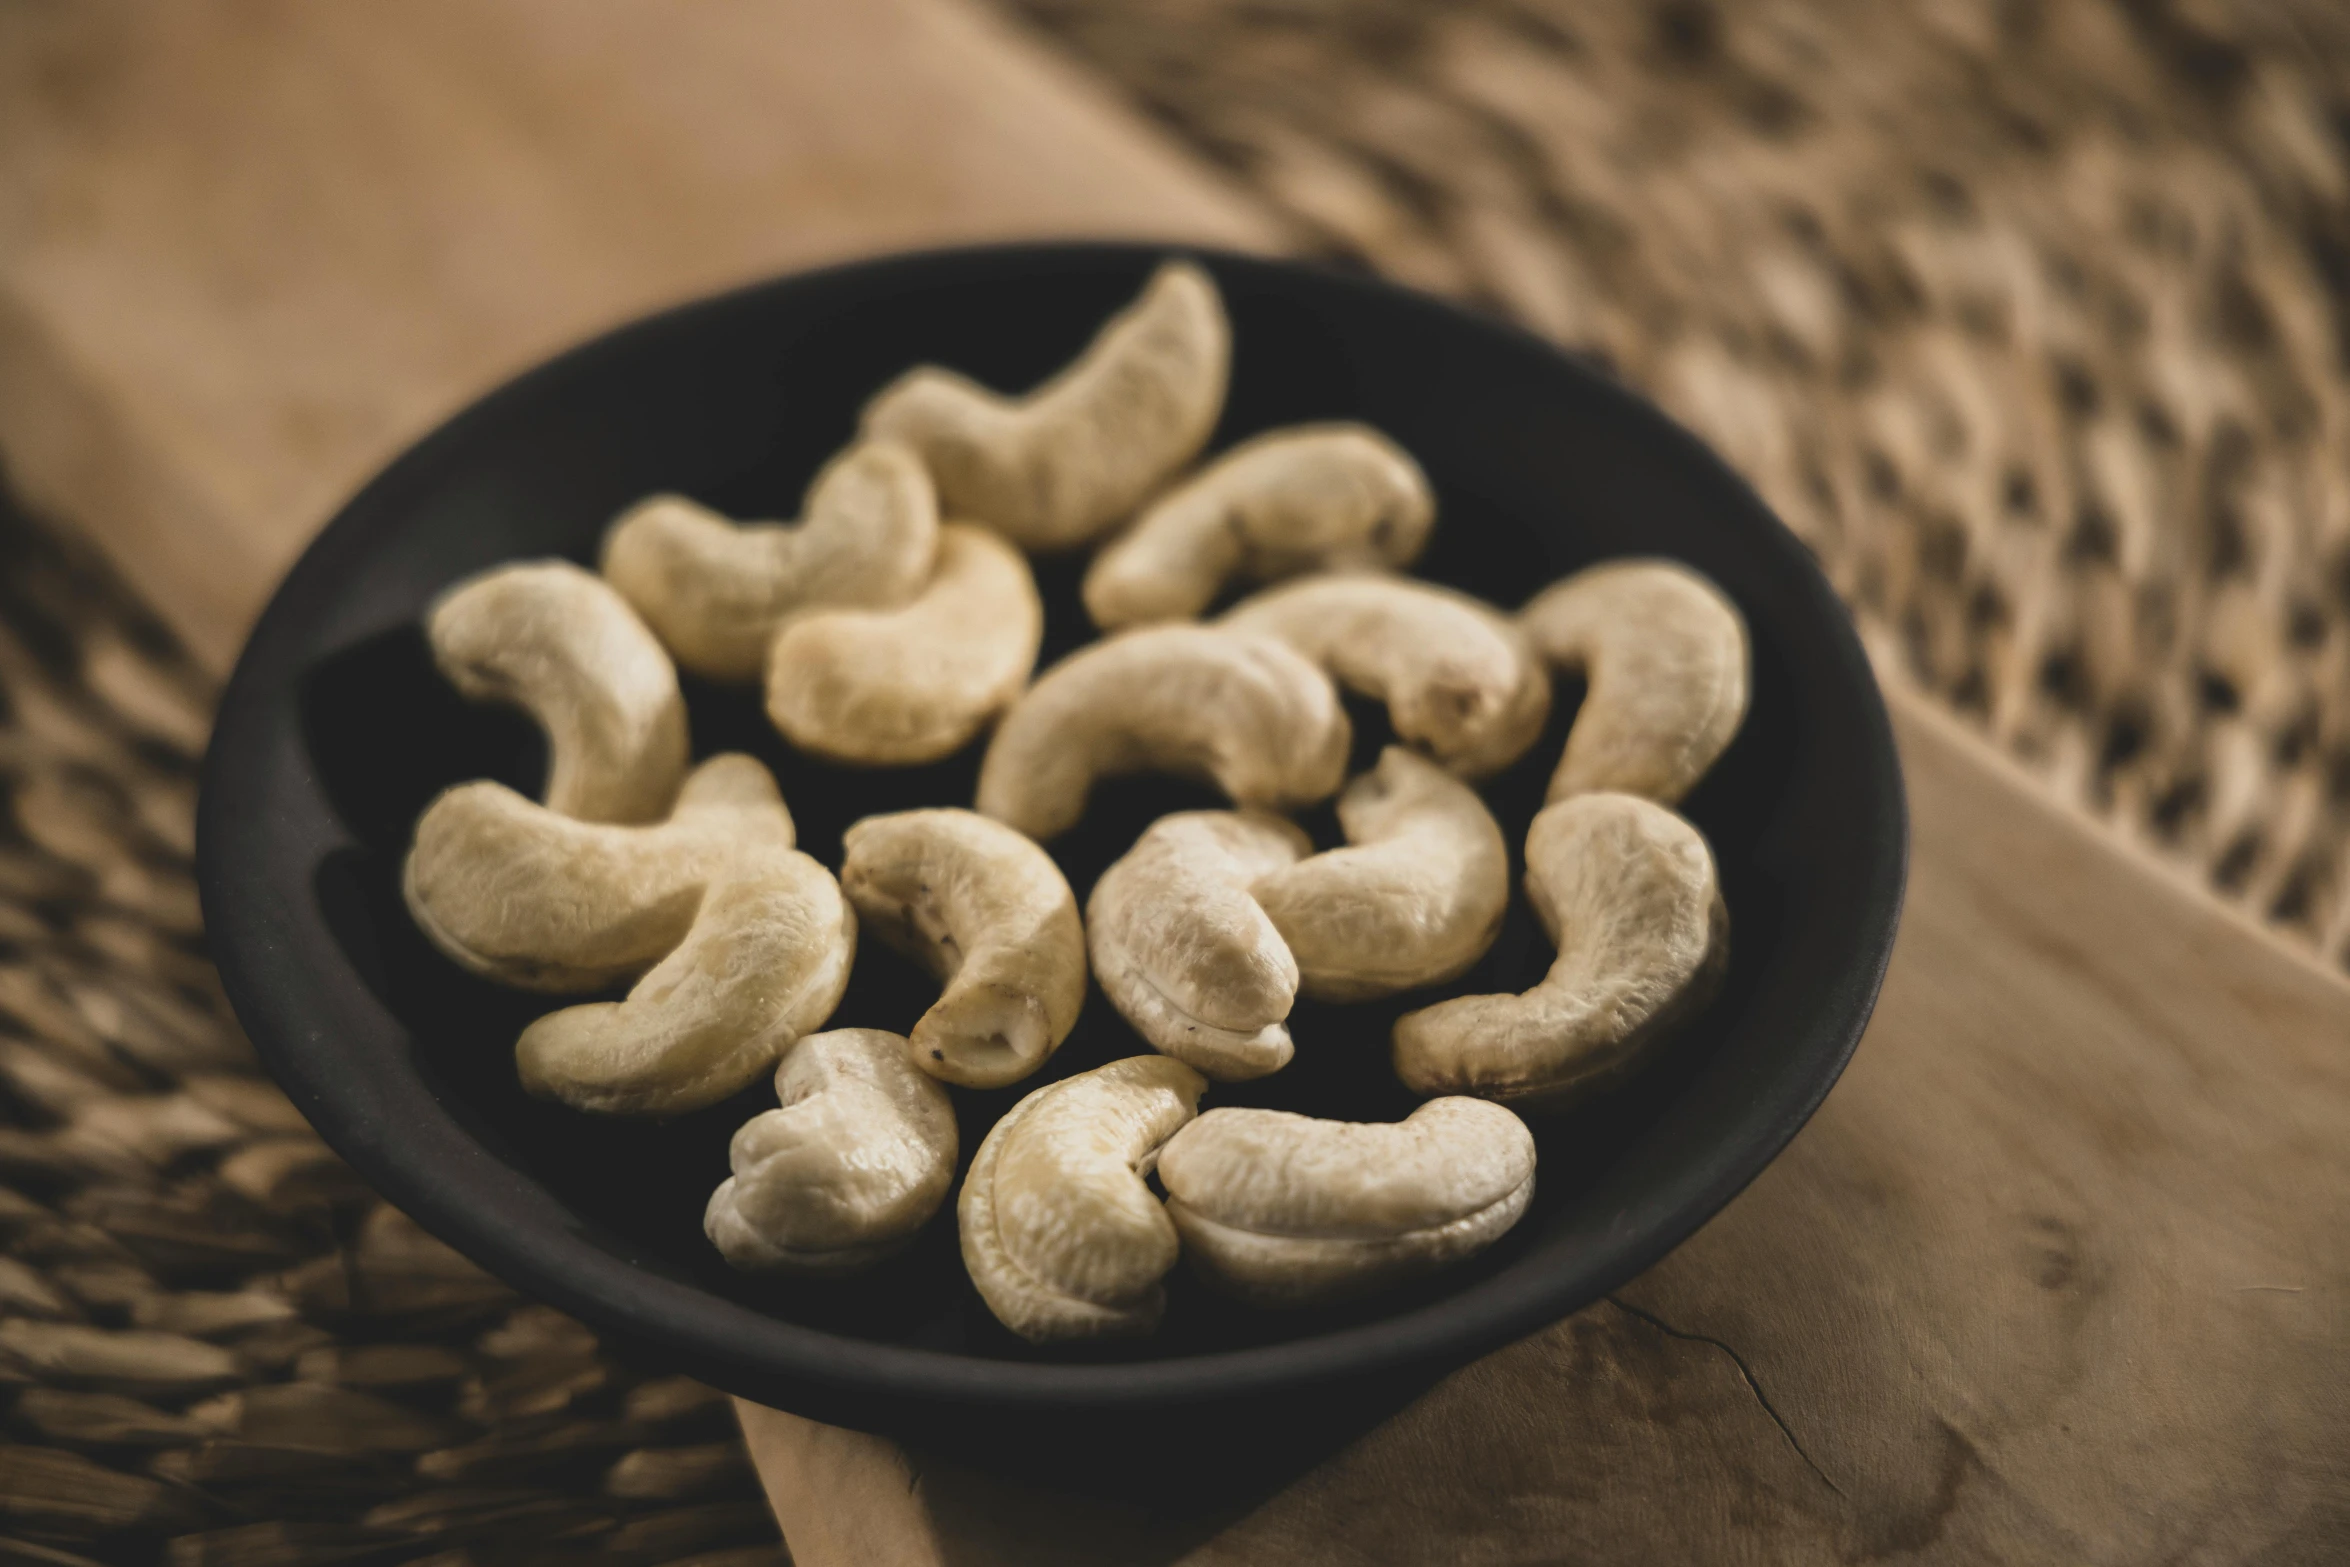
{"points": [[217, 1349], [2029, 318]]}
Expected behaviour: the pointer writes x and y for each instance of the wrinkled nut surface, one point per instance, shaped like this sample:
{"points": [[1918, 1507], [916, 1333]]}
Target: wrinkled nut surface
{"points": [[715, 591], [1060, 1232], [1239, 710], [1460, 681], [1184, 952], [1054, 468], [526, 896], [1292, 1210], [558, 643], [1628, 891], [910, 685], [764, 962], [858, 1157], [1311, 497], [1414, 899], [987, 912], [1665, 654]]}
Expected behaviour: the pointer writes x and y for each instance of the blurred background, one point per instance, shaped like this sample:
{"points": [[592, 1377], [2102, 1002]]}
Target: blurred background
{"points": [[2029, 317]]}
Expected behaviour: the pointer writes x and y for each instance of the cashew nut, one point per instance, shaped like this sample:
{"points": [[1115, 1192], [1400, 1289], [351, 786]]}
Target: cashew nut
{"points": [[558, 643], [1416, 897], [1060, 1232], [988, 912], [1184, 952], [1459, 680], [899, 687], [857, 1159], [764, 962], [1057, 466], [1238, 709], [1629, 893], [1292, 1210], [715, 591], [524, 895], [1313, 496], [1666, 657]]}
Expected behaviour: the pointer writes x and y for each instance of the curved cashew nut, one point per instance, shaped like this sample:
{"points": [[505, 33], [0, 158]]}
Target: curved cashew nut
{"points": [[900, 687], [1414, 900], [1666, 656], [1459, 680], [856, 1160], [1306, 498], [1056, 467], [715, 591], [1629, 893], [518, 893], [988, 912], [765, 961], [1292, 1210], [1060, 1233], [1184, 952], [558, 643], [1238, 709]]}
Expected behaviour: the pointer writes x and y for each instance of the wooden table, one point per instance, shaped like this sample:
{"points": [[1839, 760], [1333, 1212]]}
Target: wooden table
{"points": [[2057, 1274]]}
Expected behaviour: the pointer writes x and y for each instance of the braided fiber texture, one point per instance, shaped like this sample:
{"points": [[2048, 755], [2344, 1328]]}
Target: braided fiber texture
{"points": [[2029, 319], [217, 1349]]}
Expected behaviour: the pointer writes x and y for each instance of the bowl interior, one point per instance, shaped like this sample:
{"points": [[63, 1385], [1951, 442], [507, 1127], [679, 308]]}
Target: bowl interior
{"points": [[337, 732]]}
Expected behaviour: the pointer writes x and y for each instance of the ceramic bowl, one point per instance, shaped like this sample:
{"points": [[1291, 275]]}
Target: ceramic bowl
{"points": [[335, 731]]}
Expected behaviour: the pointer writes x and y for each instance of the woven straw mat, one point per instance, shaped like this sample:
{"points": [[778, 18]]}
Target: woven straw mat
{"points": [[2029, 319], [216, 1348]]}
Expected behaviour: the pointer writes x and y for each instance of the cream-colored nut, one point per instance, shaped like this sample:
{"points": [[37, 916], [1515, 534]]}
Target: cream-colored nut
{"points": [[900, 687], [989, 913], [1629, 893], [1060, 1232], [1460, 681], [716, 591], [1415, 898], [856, 1160], [1236, 709], [1666, 657], [558, 643], [1291, 1210], [1182, 949], [1310, 497], [1055, 467], [764, 962], [527, 896]]}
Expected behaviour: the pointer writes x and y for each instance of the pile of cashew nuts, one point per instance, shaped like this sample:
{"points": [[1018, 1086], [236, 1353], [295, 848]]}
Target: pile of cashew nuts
{"points": [[895, 623]]}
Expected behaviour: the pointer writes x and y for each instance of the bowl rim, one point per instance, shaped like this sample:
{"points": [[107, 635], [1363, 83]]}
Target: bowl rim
{"points": [[744, 1350]]}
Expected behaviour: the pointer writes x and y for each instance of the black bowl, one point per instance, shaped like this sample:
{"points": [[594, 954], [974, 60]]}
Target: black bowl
{"points": [[335, 732]]}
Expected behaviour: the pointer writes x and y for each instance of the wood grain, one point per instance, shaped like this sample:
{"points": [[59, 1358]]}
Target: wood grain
{"points": [[249, 250], [2055, 1275]]}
